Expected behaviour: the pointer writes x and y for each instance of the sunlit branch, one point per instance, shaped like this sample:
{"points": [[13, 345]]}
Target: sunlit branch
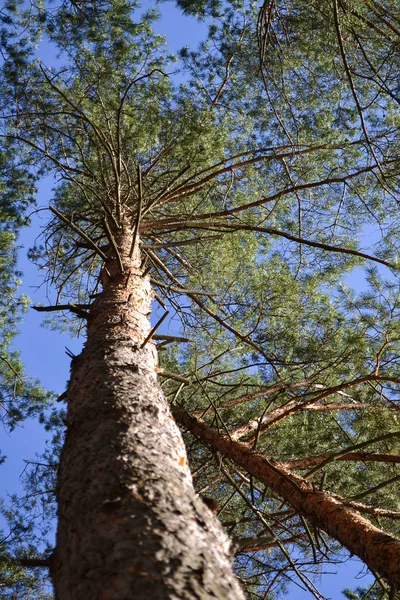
{"points": [[320, 508]]}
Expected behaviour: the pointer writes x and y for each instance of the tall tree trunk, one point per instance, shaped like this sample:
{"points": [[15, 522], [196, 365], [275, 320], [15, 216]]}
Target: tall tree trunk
{"points": [[130, 524]]}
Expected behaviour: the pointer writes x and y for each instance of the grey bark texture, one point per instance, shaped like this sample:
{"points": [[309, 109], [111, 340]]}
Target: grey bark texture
{"points": [[130, 523]]}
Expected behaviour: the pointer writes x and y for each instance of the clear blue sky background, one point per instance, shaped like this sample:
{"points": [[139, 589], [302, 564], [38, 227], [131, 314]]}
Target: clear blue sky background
{"points": [[43, 350]]}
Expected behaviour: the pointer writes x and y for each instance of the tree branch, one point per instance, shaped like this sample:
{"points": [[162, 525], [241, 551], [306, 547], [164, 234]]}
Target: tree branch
{"points": [[380, 551]]}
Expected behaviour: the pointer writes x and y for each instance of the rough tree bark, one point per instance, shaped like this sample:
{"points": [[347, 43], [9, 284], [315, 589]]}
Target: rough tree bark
{"points": [[130, 523], [379, 551]]}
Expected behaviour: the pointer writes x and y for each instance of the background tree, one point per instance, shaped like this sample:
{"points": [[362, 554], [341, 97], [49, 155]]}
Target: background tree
{"points": [[20, 397], [246, 189]]}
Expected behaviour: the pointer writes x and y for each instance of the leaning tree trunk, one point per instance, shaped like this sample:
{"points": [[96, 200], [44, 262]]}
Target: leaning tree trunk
{"points": [[379, 550], [130, 523]]}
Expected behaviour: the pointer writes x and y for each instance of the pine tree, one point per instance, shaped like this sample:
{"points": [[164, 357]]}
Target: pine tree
{"points": [[242, 189], [20, 396]]}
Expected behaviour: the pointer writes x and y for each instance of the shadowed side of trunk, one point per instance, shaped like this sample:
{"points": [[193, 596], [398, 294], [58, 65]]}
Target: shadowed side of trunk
{"points": [[130, 523]]}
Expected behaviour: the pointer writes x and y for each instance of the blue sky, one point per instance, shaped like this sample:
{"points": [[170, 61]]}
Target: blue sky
{"points": [[43, 350]]}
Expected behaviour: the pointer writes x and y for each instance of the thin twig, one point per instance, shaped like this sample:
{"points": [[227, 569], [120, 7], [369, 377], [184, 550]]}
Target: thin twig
{"points": [[139, 211], [114, 245], [79, 231], [175, 376], [156, 326]]}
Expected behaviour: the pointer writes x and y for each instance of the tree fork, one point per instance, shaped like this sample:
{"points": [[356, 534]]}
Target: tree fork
{"points": [[379, 550], [130, 523]]}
